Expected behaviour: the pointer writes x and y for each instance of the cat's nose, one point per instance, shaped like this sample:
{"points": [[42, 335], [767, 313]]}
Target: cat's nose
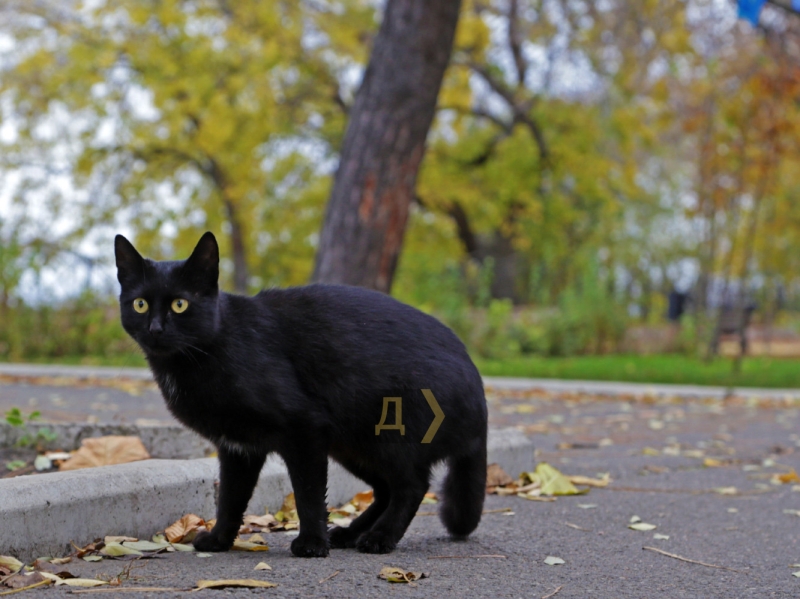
{"points": [[155, 327]]}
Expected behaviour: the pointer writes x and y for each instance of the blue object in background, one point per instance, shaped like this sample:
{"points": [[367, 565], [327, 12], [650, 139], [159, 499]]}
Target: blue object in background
{"points": [[796, 5], [751, 9]]}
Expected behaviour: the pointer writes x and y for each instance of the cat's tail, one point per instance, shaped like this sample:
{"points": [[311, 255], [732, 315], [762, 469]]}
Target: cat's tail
{"points": [[464, 491]]}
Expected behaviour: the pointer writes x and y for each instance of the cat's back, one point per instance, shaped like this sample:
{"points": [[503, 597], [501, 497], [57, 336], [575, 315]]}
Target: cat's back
{"points": [[319, 308], [348, 326]]}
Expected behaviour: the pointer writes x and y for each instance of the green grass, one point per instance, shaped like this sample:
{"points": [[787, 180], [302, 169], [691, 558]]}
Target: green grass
{"points": [[676, 369], [132, 360]]}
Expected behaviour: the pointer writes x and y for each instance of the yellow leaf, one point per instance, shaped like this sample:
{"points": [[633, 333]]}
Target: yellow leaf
{"points": [[712, 463], [399, 575], [788, 477], [590, 482], [81, 582], [552, 481], [239, 545], [110, 539], [219, 584], [257, 538], [116, 550], [11, 562]]}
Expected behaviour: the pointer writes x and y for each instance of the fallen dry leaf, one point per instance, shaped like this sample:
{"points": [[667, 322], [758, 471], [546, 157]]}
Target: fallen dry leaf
{"points": [[119, 539], [552, 481], [364, 499], [12, 563], [590, 482], [18, 581], [262, 566], [264, 521], [239, 545], [221, 584], [61, 560], [185, 529], [552, 560], [117, 550], [497, 477], [147, 545], [642, 526], [256, 538], [81, 582], [105, 451], [787, 477], [429, 498], [399, 575]]}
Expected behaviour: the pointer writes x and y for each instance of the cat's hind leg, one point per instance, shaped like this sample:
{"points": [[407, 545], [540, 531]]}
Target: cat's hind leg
{"points": [[407, 491], [238, 475], [346, 537]]}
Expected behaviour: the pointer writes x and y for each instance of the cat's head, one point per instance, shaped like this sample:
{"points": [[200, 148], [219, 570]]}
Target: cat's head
{"points": [[169, 307]]}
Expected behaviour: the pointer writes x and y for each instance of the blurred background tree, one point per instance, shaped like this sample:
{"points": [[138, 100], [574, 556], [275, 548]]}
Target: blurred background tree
{"points": [[585, 161]]}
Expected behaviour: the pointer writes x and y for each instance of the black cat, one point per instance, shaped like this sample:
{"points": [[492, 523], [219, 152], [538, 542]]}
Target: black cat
{"points": [[303, 372]]}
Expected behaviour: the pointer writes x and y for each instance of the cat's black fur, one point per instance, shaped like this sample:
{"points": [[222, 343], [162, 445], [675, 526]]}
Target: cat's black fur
{"points": [[303, 372]]}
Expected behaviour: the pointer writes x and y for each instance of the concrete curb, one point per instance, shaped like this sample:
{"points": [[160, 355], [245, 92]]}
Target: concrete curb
{"points": [[78, 372], [635, 389], [161, 441], [40, 515]]}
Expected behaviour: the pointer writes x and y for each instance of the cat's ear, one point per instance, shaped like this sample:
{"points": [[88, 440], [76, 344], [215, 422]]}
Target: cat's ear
{"points": [[130, 264], [202, 267]]}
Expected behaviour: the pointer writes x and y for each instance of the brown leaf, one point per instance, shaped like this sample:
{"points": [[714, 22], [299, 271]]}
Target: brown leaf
{"points": [[105, 451], [17, 581], [45, 566], [363, 500], [259, 521], [184, 529], [497, 477]]}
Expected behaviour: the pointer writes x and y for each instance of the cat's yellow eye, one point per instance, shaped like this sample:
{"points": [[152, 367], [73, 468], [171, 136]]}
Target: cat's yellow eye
{"points": [[179, 305], [140, 305]]}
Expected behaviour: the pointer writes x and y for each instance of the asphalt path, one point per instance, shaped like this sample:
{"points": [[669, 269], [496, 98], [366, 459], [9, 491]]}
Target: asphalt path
{"points": [[702, 470]]}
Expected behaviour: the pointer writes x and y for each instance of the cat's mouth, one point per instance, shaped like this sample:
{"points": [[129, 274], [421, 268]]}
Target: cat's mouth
{"points": [[158, 347]]}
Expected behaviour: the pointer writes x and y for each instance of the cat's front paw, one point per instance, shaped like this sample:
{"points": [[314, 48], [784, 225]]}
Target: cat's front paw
{"points": [[308, 546], [208, 541], [342, 538], [375, 541]]}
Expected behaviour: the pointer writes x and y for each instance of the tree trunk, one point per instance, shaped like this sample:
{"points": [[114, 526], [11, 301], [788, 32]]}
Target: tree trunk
{"points": [[240, 271], [366, 217]]}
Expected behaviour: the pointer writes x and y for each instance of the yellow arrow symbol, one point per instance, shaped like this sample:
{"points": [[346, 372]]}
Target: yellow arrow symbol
{"points": [[438, 416]]}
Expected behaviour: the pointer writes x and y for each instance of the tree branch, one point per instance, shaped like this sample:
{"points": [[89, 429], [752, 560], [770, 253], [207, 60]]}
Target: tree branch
{"points": [[515, 42], [521, 111]]}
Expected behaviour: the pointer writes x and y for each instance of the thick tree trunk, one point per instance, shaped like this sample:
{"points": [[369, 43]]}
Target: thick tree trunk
{"points": [[368, 209], [240, 271]]}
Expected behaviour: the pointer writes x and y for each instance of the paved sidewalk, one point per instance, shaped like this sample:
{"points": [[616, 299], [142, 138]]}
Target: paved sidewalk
{"points": [[701, 471], [703, 468]]}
